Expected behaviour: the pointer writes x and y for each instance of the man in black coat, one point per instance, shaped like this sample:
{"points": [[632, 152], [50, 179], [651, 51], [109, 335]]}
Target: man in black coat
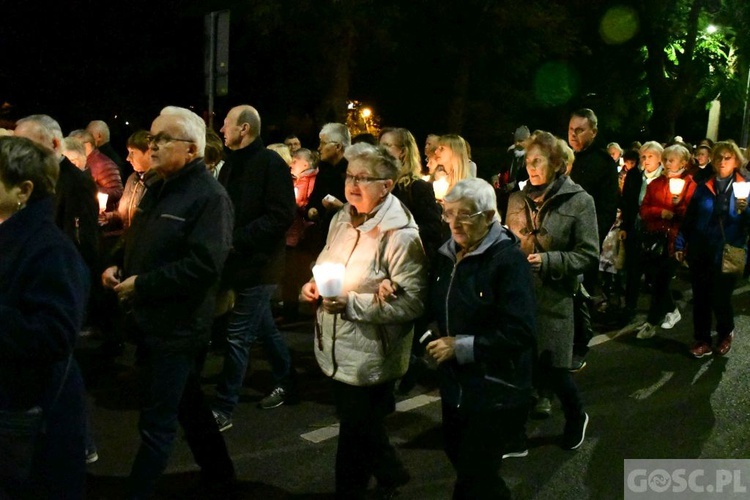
{"points": [[76, 206], [596, 172], [260, 186], [167, 275]]}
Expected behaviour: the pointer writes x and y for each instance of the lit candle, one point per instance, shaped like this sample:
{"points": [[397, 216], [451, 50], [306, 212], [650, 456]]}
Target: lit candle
{"points": [[329, 279], [102, 201], [441, 188], [675, 185], [741, 191]]}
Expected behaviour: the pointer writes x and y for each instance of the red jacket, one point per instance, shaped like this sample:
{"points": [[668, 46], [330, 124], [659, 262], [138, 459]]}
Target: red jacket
{"points": [[657, 199], [303, 186]]}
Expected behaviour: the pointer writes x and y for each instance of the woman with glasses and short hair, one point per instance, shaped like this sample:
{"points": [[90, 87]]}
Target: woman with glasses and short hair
{"points": [[362, 341], [555, 220], [714, 217], [482, 300]]}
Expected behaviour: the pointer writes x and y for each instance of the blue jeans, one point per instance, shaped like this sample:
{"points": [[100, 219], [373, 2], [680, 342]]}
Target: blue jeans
{"points": [[175, 395], [250, 319]]}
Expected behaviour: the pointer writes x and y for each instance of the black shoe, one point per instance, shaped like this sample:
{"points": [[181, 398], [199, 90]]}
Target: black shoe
{"points": [[575, 432], [579, 363]]}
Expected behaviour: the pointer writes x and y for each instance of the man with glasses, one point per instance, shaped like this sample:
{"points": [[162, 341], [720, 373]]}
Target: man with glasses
{"points": [[260, 186], [327, 196], [166, 276]]}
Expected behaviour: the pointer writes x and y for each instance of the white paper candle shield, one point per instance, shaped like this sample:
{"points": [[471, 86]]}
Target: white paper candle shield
{"points": [[103, 197], [675, 185], [329, 279], [441, 188], [741, 190]]}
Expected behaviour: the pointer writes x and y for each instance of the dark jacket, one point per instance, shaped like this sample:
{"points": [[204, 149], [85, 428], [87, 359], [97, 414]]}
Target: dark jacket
{"points": [[701, 233], [629, 203], [419, 198], [487, 301], [77, 210], [177, 244], [260, 186], [44, 287], [330, 181], [596, 172]]}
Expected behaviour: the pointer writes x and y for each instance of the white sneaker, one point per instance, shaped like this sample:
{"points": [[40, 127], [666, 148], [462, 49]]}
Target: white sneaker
{"points": [[671, 319], [646, 331]]}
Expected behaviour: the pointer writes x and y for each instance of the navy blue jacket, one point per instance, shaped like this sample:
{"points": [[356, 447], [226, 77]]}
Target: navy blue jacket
{"points": [[177, 245], [44, 286], [487, 301], [701, 233]]}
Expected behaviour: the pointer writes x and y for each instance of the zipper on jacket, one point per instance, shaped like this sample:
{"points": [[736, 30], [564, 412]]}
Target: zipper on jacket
{"points": [[447, 332]]}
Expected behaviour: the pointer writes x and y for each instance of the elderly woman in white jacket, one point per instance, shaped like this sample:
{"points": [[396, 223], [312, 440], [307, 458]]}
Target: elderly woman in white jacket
{"points": [[362, 341]]}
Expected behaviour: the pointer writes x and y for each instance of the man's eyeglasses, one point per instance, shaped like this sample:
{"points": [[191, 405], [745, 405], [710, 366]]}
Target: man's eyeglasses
{"points": [[460, 217], [362, 179], [163, 138]]}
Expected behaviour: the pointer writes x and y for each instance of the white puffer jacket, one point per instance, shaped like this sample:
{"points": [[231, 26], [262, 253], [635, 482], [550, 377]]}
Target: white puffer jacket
{"points": [[370, 343]]}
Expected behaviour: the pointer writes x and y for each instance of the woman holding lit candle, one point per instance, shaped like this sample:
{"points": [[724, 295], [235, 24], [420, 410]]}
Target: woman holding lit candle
{"points": [[662, 211], [363, 342], [714, 217], [135, 187]]}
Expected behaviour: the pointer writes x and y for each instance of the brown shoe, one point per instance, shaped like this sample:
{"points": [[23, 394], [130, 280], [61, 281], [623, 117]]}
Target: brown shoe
{"points": [[701, 349], [725, 345]]}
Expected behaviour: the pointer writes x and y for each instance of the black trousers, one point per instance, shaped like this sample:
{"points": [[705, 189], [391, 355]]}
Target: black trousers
{"points": [[475, 443], [712, 294], [364, 449], [662, 270]]}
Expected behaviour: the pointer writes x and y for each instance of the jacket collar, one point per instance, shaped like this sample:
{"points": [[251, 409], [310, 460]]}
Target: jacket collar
{"points": [[195, 165], [248, 150], [391, 215], [711, 183], [25, 222], [496, 234]]}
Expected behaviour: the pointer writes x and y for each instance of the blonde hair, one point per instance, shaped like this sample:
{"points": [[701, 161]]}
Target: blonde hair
{"points": [[459, 169], [283, 151]]}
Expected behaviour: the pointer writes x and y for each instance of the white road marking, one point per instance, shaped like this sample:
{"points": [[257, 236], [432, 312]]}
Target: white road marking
{"points": [[702, 370], [331, 431], [641, 394]]}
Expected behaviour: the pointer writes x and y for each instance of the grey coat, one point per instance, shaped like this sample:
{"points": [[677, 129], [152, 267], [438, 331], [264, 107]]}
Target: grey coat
{"points": [[564, 231]]}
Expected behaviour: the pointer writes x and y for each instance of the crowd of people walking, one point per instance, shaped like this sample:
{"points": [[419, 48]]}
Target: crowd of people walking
{"points": [[499, 283]]}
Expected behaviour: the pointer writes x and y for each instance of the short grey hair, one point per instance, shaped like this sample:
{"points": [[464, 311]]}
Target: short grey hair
{"points": [[84, 136], [45, 125], [100, 127], [307, 155], [337, 132], [74, 144], [192, 125], [614, 145], [477, 191], [378, 159]]}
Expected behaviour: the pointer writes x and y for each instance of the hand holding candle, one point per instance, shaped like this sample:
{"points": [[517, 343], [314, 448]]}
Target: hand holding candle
{"points": [[741, 192], [102, 197], [676, 185]]}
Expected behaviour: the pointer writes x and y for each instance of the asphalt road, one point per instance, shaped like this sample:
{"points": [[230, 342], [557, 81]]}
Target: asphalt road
{"points": [[646, 399]]}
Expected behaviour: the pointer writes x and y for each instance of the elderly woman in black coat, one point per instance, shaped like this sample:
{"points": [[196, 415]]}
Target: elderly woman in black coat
{"points": [[555, 220], [43, 291], [482, 300]]}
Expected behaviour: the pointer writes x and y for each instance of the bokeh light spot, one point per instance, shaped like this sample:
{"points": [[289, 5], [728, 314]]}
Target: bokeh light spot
{"points": [[555, 83], [619, 25]]}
